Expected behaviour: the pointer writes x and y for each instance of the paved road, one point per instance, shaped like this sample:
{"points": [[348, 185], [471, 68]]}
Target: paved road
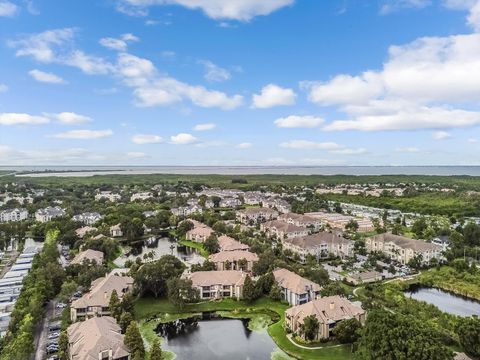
{"points": [[41, 332]]}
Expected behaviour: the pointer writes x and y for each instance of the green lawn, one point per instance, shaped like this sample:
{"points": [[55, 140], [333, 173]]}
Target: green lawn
{"points": [[150, 308], [195, 245]]}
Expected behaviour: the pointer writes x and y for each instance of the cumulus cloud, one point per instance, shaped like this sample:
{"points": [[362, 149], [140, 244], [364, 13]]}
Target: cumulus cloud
{"points": [[214, 72], [83, 134], [46, 77], [8, 9], [146, 139], [273, 95], [119, 44], [204, 127], [22, 119], [295, 121], [244, 145], [441, 135], [423, 85], [242, 10], [69, 118], [153, 89], [182, 139]]}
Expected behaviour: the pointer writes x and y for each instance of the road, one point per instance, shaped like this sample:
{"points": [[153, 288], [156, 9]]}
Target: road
{"points": [[41, 332]]}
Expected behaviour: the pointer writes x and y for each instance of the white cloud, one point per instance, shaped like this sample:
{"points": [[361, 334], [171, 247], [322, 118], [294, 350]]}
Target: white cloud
{"points": [[399, 115], [407, 149], [8, 9], [55, 46], [182, 139], [473, 7], [204, 127], [214, 72], [390, 6], [347, 151], [441, 135], [152, 89], [345, 89], [120, 44], [83, 134], [273, 95], [69, 118], [136, 155], [46, 77], [295, 121], [244, 145], [146, 139], [242, 10], [3, 88], [212, 143], [472, 141], [306, 144], [22, 119]]}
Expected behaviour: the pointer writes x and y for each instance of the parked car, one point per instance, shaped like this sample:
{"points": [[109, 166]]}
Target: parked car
{"points": [[53, 335], [55, 327], [61, 306], [52, 349]]}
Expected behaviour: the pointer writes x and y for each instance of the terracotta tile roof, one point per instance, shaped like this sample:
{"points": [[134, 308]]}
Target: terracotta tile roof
{"points": [[225, 277], [233, 256], [311, 241], [407, 243], [89, 254], [230, 244]]}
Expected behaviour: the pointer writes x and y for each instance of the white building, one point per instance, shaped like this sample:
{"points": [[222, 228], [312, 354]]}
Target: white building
{"points": [[17, 214], [49, 213]]}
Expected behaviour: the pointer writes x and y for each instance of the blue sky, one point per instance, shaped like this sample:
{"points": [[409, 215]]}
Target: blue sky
{"points": [[239, 82]]}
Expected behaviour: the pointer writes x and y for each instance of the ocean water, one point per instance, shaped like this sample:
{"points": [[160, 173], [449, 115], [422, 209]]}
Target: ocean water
{"points": [[70, 171]]}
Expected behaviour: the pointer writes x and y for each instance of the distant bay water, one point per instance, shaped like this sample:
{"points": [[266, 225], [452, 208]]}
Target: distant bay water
{"points": [[81, 171]]}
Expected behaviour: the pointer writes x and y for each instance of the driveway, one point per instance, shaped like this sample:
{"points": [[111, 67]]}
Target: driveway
{"points": [[41, 332]]}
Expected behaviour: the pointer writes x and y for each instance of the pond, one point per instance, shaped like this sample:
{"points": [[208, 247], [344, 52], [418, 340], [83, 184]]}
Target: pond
{"points": [[445, 301], [210, 337], [160, 247]]}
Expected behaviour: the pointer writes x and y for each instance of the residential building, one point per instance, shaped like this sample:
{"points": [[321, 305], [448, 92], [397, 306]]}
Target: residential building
{"points": [[364, 277], [98, 338], [49, 213], [116, 230], [226, 243], [251, 216], [88, 255], [230, 202], [279, 204], [301, 220], [329, 311], [187, 210], [218, 284], [17, 214], [403, 249], [83, 231], [108, 195], [340, 221], [96, 301], [88, 218], [142, 196], [282, 230], [232, 260], [320, 245], [296, 290], [199, 233]]}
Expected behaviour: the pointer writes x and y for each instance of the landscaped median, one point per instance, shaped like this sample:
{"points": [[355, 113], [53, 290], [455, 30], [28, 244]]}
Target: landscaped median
{"points": [[262, 313]]}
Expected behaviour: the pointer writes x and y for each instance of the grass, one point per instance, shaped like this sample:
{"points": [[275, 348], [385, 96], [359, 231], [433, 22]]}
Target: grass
{"points": [[449, 279], [158, 310], [195, 245]]}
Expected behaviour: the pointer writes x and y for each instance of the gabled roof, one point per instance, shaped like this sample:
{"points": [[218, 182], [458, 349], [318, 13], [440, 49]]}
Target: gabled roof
{"points": [[293, 282], [326, 309], [227, 243], [233, 256], [89, 254], [407, 243], [314, 240], [224, 277], [90, 337]]}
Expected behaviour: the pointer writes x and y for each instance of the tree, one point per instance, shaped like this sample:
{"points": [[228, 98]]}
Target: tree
{"points": [[125, 319], [63, 345], [152, 277], [155, 350], [393, 336], [264, 283], [346, 332], [249, 290], [275, 292], [211, 244], [181, 291], [133, 340], [419, 226], [115, 306], [184, 227], [243, 264], [468, 331], [310, 327], [333, 288], [416, 262], [216, 201], [127, 303], [352, 226], [265, 263]]}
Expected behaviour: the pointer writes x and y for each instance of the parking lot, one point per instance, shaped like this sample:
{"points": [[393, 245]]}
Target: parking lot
{"points": [[49, 332]]}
